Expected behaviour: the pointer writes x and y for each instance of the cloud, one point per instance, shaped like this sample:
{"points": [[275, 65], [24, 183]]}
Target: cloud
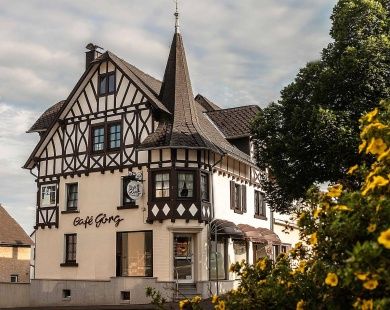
{"points": [[17, 190], [239, 52]]}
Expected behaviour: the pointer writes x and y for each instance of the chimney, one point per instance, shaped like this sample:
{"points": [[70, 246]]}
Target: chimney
{"points": [[91, 54]]}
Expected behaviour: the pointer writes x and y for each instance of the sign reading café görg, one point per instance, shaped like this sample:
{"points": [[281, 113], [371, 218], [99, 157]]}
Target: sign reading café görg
{"points": [[98, 220]]}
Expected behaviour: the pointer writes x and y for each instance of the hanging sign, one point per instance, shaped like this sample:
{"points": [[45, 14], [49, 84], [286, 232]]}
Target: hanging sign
{"points": [[135, 188]]}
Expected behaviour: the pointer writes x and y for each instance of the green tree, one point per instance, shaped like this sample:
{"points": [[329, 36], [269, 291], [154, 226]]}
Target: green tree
{"points": [[311, 134]]}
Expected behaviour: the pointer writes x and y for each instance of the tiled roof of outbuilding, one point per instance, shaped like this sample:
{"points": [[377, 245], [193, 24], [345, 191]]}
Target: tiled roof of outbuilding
{"points": [[11, 233], [234, 122], [44, 121]]}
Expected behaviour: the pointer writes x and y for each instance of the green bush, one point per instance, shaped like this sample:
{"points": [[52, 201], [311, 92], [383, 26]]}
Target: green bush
{"points": [[344, 262]]}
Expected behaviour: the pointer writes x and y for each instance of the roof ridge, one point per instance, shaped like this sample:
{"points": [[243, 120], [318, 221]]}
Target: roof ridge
{"points": [[234, 108]]}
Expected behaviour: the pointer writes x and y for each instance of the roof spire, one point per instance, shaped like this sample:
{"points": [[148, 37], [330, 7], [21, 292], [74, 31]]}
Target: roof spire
{"points": [[177, 27]]}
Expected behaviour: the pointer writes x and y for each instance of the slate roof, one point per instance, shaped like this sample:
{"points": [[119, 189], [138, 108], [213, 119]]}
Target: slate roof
{"points": [[207, 104], [190, 127], [44, 121], [185, 121], [234, 122], [11, 233]]}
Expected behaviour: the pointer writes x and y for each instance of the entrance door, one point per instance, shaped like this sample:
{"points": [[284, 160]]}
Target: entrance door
{"points": [[183, 249]]}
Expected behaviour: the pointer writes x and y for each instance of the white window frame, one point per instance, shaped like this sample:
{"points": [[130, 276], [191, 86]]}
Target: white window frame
{"points": [[55, 196], [16, 277]]}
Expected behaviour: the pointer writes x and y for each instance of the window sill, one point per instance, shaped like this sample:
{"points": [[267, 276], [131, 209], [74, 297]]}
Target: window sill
{"points": [[70, 211], [126, 207], [69, 265], [260, 217], [239, 211]]}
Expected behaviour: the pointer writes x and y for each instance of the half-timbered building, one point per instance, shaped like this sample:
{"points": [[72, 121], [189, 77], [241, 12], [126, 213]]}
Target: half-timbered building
{"points": [[139, 183]]}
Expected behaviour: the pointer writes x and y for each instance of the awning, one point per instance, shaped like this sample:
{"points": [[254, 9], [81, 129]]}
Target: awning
{"points": [[259, 235], [226, 229]]}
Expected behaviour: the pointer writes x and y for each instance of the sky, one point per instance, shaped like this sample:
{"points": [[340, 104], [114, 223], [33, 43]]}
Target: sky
{"points": [[238, 52]]}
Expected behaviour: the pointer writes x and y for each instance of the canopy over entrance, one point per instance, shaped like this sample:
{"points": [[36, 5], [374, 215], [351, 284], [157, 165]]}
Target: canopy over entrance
{"points": [[226, 229], [259, 235]]}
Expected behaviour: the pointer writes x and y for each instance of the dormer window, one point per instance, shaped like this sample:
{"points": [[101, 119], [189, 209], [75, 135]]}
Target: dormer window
{"points": [[107, 84]]}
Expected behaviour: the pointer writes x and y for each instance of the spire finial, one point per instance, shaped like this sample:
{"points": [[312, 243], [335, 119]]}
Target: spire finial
{"points": [[177, 27]]}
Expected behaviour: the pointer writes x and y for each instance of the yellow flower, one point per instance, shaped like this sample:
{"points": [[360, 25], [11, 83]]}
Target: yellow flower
{"points": [[196, 300], [384, 155], [370, 284], [261, 264], [367, 305], [377, 181], [220, 306], [371, 228], [352, 169], [335, 190], [214, 299], [342, 208], [313, 239], [384, 238], [362, 146], [371, 115], [262, 282], [317, 212], [376, 146], [332, 279], [362, 275], [182, 303], [300, 305]]}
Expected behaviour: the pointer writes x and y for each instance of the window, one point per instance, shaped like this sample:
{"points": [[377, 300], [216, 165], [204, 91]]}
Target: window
{"points": [[125, 295], [161, 183], [48, 195], [71, 196], [276, 252], [98, 139], [285, 248], [219, 256], [259, 251], [14, 278], [70, 248], [66, 294], [106, 137], [135, 254], [114, 138], [185, 184], [107, 84], [239, 248], [237, 197], [259, 204], [204, 187]]}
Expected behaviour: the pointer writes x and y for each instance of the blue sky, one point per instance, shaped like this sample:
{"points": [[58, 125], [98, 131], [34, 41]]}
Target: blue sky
{"points": [[239, 52]]}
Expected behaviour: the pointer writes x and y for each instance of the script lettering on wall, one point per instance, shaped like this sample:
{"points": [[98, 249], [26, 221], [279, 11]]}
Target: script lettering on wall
{"points": [[98, 220]]}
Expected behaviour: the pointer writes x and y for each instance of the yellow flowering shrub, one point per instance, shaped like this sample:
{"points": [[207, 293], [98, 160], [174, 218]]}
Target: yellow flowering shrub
{"points": [[345, 263]]}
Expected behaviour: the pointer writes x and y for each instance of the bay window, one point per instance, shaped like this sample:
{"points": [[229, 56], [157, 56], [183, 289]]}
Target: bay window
{"points": [[161, 185], [185, 184]]}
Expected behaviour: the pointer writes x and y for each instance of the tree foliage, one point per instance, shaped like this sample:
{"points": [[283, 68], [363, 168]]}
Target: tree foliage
{"points": [[310, 135], [345, 262]]}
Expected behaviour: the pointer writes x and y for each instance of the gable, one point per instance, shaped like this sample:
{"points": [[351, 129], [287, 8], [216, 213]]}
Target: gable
{"points": [[84, 102]]}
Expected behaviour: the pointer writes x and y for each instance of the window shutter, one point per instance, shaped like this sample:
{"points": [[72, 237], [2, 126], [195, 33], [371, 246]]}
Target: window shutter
{"points": [[243, 198], [232, 196]]}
